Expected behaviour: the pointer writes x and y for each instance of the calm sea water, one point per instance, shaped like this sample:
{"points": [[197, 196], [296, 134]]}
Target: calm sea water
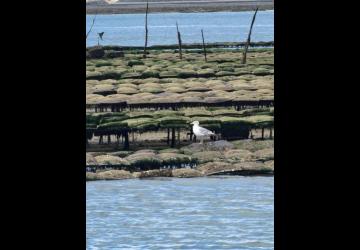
{"points": [[170, 213], [128, 29]]}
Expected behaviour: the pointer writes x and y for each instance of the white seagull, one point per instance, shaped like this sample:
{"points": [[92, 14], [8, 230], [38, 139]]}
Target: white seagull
{"points": [[200, 132]]}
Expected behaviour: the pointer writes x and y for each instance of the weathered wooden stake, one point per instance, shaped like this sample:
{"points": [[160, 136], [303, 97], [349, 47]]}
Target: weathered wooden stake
{"points": [[179, 40], [262, 133], [173, 137], [126, 143], [249, 37], [92, 25], [270, 133], [146, 29], [178, 136], [168, 136], [203, 40]]}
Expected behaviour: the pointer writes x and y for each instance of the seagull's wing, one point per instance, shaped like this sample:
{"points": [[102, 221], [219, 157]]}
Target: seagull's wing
{"points": [[204, 131]]}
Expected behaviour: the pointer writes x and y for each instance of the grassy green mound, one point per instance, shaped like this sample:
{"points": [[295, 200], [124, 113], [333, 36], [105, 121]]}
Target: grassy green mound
{"points": [[197, 112], [134, 62], [113, 126], [175, 159], [266, 154], [142, 124], [253, 145], [238, 155], [109, 160], [144, 160], [170, 150], [260, 121], [186, 173], [174, 122], [207, 156]]}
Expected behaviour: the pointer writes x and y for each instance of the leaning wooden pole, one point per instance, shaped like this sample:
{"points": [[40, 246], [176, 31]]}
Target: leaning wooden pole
{"points": [[179, 40], [92, 25], [203, 40], [146, 29], [249, 37]]}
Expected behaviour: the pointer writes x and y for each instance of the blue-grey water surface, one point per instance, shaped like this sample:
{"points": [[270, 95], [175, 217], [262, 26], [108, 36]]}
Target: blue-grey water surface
{"points": [[128, 29], [172, 213]]}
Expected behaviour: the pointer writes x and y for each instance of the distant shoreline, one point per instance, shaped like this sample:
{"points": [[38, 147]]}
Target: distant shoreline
{"points": [[179, 6]]}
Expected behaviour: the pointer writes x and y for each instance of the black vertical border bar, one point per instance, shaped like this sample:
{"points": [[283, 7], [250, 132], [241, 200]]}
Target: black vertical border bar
{"points": [[82, 112], [280, 124]]}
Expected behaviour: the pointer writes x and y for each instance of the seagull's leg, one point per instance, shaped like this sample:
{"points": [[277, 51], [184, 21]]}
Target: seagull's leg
{"points": [[202, 140]]}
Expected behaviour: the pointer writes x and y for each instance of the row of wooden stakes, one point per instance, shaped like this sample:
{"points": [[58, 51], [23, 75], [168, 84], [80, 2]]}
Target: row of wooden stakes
{"points": [[179, 36]]}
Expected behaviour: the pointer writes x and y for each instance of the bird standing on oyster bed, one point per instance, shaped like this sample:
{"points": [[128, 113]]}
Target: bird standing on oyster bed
{"points": [[200, 132]]}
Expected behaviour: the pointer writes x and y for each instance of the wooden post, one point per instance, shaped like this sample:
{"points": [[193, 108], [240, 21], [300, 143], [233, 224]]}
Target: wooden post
{"points": [[178, 136], [203, 40], [168, 136], [262, 133], [179, 40], [270, 133], [146, 29], [109, 139], [172, 137], [249, 37], [92, 25], [126, 143]]}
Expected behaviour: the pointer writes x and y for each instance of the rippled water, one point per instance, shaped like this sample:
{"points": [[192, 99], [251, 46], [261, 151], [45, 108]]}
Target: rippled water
{"points": [[128, 29], [170, 213]]}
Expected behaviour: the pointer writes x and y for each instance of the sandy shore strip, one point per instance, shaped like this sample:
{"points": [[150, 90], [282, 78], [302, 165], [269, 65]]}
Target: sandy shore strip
{"points": [[158, 6]]}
